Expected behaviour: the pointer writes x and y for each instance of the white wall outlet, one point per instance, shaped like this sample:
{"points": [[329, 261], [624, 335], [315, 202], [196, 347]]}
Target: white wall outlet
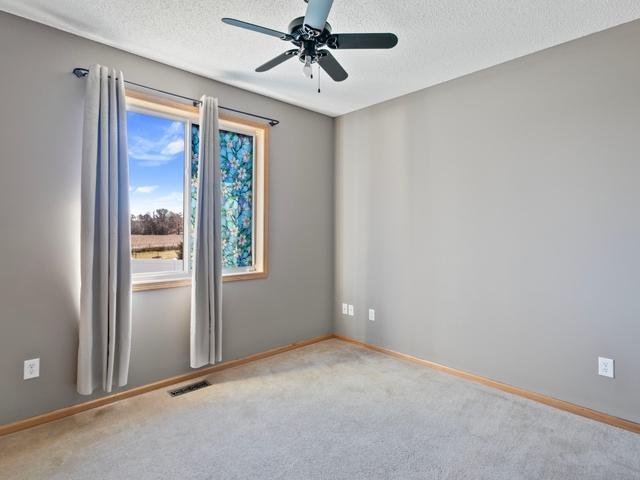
{"points": [[372, 315], [345, 309], [605, 367], [351, 311], [31, 368]]}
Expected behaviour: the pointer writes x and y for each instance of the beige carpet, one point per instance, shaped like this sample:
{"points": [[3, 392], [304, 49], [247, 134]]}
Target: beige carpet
{"points": [[328, 411]]}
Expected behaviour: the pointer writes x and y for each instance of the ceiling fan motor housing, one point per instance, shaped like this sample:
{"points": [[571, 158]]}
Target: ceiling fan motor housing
{"points": [[308, 40]]}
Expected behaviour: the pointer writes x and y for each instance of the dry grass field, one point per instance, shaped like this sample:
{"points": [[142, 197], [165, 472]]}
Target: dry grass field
{"points": [[155, 246]]}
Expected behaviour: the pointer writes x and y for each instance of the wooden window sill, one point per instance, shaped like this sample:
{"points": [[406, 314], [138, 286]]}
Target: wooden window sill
{"points": [[141, 286]]}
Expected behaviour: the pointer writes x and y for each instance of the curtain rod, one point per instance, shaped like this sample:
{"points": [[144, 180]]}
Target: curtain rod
{"points": [[83, 72]]}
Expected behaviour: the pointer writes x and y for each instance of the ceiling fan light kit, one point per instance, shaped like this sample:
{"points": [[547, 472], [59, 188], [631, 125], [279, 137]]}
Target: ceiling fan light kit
{"points": [[312, 37]]}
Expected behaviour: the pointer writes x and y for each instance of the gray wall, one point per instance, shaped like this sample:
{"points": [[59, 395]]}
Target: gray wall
{"points": [[40, 144], [492, 222]]}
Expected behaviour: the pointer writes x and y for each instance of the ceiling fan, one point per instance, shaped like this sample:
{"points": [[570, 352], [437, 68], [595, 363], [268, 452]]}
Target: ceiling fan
{"points": [[310, 34]]}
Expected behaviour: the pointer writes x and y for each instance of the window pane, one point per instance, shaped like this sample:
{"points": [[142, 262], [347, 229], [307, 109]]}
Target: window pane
{"points": [[236, 165], [195, 153], [156, 176]]}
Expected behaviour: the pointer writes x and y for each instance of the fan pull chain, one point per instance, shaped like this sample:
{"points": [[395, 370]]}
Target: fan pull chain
{"points": [[318, 78]]}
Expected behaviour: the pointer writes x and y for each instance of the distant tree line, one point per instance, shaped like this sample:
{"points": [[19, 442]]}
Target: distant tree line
{"points": [[160, 222]]}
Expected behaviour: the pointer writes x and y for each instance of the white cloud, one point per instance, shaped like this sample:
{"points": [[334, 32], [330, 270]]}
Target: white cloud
{"points": [[171, 199], [152, 153], [146, 188], [174, 147], [142, 204], [175, 128]]}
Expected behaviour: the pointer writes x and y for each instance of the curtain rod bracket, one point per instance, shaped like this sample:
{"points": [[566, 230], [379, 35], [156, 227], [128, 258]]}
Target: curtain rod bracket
{"points": [[80, 72], [83, 72]]}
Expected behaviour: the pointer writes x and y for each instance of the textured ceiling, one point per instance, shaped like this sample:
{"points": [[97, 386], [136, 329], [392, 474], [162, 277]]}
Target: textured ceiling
{"points": [[438, 39]]}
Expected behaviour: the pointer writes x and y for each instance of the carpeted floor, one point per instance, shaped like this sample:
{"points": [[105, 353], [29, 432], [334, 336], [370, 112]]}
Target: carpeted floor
{"points": [[327, 411]]}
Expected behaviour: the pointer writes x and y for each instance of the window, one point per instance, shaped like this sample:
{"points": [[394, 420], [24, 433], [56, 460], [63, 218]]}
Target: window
{"points": [[157, 151], [237, 165], [163, 168]]}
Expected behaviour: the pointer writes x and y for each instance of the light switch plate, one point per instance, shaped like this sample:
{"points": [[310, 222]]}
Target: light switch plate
{"points": [[345, 309], [605, 367], [372, 315], [351, 311], [31, 368]]}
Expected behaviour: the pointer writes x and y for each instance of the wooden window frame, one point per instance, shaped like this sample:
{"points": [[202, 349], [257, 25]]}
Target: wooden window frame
{"points": [[260, 131]]}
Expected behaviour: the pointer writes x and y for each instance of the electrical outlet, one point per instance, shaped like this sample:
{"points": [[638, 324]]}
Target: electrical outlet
{"points": [[345, 309], [351, 310], [605, 367], [31, 368], [372, 315]]}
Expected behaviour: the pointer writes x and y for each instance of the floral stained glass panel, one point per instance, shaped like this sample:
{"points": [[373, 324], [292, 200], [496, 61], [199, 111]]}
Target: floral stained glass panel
{"points": [[236, 165]]}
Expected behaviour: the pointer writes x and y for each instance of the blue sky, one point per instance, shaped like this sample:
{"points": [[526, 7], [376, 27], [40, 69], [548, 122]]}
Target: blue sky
{"points": [[156, 162]]}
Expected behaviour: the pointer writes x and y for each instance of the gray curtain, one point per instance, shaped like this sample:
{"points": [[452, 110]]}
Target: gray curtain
{"points": [[105, 297], [206, 288]]}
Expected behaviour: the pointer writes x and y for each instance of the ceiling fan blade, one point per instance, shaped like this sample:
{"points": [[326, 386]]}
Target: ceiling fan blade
{"points": [[283, 57], [330, 65], [257, 28], [362, 40], [317, 13]]}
